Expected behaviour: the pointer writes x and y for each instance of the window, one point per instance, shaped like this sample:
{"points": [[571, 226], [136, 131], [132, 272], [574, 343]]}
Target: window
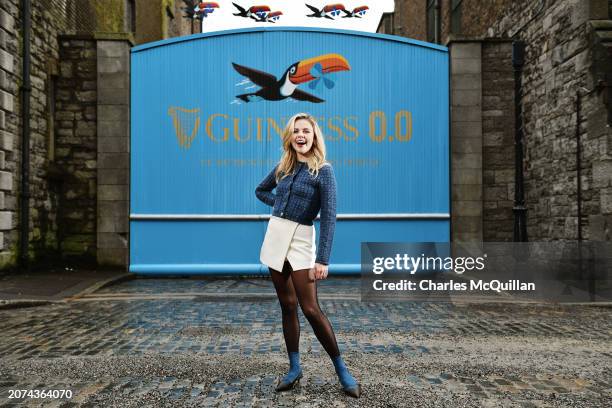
{"points": [[456, 16]]}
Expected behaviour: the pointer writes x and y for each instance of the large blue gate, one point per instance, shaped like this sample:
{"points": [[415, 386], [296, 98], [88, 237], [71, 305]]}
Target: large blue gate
{"points": [[206, 124]]}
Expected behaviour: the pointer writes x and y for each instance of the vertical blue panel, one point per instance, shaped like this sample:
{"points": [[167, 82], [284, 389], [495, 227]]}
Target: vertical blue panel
{"points": [[385, 123]]}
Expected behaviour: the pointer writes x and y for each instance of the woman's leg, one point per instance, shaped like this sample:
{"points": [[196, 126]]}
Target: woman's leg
{"points": [[288, 302], [291, 325], [306, 291], [307, 296]]}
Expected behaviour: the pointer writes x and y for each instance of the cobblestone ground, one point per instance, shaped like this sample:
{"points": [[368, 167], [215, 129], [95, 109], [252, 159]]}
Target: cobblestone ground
{"points": [[187, 342]]}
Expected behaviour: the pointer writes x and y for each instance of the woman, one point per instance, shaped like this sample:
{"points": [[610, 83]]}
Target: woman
{"points": [[305, 184]]}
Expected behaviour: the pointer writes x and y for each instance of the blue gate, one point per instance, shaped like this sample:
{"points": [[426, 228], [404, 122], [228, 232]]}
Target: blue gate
{"points": [[206, 120]]}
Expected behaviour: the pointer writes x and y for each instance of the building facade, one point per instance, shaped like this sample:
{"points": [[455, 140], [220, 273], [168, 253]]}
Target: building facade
{"points": [[71, 118], [72, 182], [563, 103]]}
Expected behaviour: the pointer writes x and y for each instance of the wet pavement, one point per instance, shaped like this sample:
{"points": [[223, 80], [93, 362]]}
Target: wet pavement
{"points": [[218, 342]]}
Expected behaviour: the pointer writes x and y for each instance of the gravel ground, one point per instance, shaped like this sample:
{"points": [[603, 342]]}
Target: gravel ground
{"points": [[386, 379], [155, 353]]}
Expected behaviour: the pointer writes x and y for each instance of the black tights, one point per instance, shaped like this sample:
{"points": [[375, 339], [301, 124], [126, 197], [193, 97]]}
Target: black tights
{"points": [[291, 287]]}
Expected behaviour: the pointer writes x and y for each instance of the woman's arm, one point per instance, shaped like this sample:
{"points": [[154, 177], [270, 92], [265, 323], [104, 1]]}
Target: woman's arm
{"points": [[264, 189], [327, 188]]}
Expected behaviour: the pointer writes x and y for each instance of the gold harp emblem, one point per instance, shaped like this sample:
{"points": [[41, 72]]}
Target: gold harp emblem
{"points": [[183, 120]]}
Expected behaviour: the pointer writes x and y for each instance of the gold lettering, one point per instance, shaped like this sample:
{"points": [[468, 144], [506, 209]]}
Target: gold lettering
{"points": [[209, 132], [258, 129], [403, 137], [383, 126], [237, 132], [348, 127], [272, 124], [331, 126]]}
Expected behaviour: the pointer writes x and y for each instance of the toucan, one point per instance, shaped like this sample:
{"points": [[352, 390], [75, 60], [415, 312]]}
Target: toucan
{"points": [[198, 9], [357, 12], [253, 12], [270, 18], [328, 11], [298, 73]]}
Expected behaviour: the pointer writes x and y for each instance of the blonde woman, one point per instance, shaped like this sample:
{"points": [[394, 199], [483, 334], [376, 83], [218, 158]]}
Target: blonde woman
{"points": [[305, 184]]}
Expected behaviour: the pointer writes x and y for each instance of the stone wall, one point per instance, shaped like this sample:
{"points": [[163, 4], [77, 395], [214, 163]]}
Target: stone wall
{"points": [[599, 121], [497, 140], [160, 19], [410, 18], [47, 23], [407, 20], [9, 109], [568, 56], [466, 141], [476, 16], [558, 60], [113, 146], [63, 181], [75, 147]]}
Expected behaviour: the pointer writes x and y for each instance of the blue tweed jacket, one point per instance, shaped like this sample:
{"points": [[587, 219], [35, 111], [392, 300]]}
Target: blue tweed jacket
{"points": [[300, 196]]}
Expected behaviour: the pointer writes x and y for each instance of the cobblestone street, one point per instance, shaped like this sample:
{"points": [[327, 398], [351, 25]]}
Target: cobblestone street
{"points": [[187, 342]]}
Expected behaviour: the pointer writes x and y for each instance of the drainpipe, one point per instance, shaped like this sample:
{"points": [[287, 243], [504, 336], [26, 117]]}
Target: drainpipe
{"points": [[520, 221], [437, 22], [585, 92], [578, 167], [518, 60], [25, 139]]}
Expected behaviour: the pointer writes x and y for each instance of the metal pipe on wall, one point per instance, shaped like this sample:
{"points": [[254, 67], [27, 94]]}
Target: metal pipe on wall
{"points": [[520, 221], [437, 22], [578, 168], [25, 139]]}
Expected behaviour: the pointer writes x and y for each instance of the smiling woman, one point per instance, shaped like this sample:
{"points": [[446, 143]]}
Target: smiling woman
{"points": [[305, 184]]}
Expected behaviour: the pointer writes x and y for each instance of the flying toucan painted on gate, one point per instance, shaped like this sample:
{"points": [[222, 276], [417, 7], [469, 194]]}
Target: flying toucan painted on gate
{"points": [[357, 12], [199, 10], [253, 12], [329, 11], [270, 18], [273, 89]]}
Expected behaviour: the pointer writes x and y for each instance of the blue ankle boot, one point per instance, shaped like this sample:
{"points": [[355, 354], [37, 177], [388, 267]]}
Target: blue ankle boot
{"points": [[294, 374], [349, 384]]}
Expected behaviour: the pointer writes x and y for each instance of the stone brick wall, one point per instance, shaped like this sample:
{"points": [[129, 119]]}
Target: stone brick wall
{"points": [[476, 16], [75, 147], [568, 52], [410, 18], [466, 141], [407, 20], [9, 80], [558, 58], [498, 140], [179, 25], [113, 152], [63, 143], [598, 112], [47, 23]]}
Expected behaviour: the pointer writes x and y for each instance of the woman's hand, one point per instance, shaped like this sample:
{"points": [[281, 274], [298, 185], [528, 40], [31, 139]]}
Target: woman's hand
{"points": [[320, 271]]}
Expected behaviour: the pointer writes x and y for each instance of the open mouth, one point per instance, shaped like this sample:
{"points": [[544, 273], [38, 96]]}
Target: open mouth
{"points": [[300, 142]]}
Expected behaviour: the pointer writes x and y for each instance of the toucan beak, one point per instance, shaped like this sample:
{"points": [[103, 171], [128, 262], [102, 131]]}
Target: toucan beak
{"points": [[329, 63]]}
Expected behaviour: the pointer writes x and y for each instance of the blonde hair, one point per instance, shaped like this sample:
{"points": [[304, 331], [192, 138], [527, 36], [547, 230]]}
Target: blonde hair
{"points": [[316, 157]]}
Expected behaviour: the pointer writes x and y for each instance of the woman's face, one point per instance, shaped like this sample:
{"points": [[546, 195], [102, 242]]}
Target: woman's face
{"points": [[303, 137]]}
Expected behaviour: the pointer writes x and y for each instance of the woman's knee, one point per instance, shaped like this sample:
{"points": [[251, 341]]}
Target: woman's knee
{"points": [[289, 305], [311, 311]]}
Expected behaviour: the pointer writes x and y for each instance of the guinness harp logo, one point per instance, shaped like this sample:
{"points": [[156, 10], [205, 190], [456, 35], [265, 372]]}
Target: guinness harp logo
{"points": [[186, 123]]}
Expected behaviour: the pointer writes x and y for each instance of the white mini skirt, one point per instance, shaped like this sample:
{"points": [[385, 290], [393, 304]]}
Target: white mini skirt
{"points": [[286, 239]]}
